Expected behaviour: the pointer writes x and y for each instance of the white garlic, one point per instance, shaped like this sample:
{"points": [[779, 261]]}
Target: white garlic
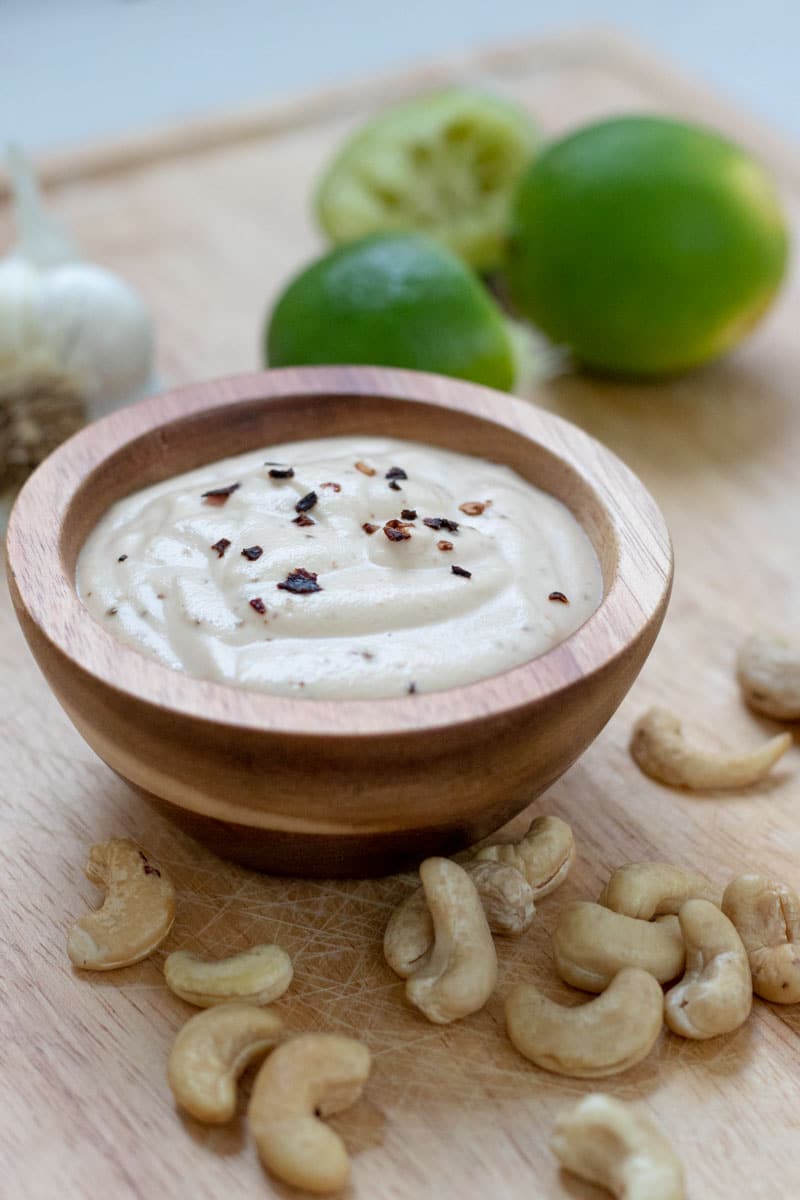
{"points": [[67, 328]]}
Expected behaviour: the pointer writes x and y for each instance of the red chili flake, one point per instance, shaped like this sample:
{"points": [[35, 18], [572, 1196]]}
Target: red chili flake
{"points": [[299, 581], [461, 571], [252, 552], [443, 545], [335, 487], [370, 528], [559, 597], [396, 531], [149, 869], [473, 508], [220, 495], [306, 502], [278, 472], [122, 558], [221, 546], [303, 520], [364, 469], [258, 604], [441, 523], [409, 514]]}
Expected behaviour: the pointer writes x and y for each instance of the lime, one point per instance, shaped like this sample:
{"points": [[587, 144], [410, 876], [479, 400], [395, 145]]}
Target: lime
{"points": [[645, 245], [395, 300], [444, 164]]}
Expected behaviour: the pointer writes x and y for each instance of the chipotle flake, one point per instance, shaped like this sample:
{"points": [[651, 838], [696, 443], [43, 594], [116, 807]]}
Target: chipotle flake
{"points": [[441, 523], [220, 495], [278, 472], [369, 528], [258, 604], [335, 487], [221, 546], [303, 519], [252, 553], [559, 597], [364, 469], [306, 502], [396, 531], [300, 582], [473, 508], [462, 571], [409, 514], [443, 545]]}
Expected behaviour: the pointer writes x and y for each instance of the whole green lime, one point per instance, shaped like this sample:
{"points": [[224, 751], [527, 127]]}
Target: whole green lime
{"points": [[645, 245], [394, 300]]}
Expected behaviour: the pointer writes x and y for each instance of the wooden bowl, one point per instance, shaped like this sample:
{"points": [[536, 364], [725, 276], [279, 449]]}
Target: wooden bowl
{"points": [[349, 787]]}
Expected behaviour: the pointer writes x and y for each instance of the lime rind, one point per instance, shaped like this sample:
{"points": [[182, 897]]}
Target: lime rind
{"points": [[444, 164]]}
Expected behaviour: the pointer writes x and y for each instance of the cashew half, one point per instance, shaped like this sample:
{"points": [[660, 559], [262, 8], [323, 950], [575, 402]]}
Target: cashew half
{"points": [[769, 675], [603, 1037], [544, 855], [310, 1076], [766, 914], [648, 889], [659, 749], [608, 1142], [256, 976], [591, 944], [458, 975], [716, 993], [136, 915], [210, 1053], [506, 897]]}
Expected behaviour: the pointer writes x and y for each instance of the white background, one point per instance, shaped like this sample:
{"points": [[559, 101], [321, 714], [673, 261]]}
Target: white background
{"points": [[76, 70]]}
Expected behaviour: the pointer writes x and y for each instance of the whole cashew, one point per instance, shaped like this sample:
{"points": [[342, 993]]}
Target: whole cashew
{"points": [[458, 974], [608, 1142], [648, 889], [507, 901], [256, 976], [603, 1037], [659, 749], [766, 914], [591, 944], [210, 1053], [716, 993], [544, 855], [769, 675], [308, 1077], [136, 915]]}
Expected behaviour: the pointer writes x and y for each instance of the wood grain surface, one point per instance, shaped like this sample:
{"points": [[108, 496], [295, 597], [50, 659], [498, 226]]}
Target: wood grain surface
{"points": [[209, 237]]}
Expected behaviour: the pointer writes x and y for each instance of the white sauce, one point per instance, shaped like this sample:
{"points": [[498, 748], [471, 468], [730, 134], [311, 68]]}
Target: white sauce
{"points": [[391, 616]]}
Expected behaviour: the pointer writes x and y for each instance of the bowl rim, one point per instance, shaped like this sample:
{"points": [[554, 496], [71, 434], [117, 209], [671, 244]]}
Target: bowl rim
{"points": [[635, 596]]}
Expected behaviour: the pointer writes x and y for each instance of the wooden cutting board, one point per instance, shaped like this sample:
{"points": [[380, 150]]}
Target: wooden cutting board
{"points": [[208, 221]]}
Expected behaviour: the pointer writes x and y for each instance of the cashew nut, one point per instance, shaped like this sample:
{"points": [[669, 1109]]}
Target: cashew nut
{"points": [[310, 1076], [766, 914], [649, 889], [608, 1142], [591, 944], [256, 976], [659, 749], [603, 1037], [544, 855], [458, 974], [507, 900], [210, 1053], [136, 915], [716, 993], [769, 675]]}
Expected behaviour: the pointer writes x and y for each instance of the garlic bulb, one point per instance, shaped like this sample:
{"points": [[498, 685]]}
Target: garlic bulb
{"points": [[74, 338]]}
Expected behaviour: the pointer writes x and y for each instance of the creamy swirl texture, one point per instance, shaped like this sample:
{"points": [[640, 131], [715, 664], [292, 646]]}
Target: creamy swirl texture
{"points": [[341, 567]]}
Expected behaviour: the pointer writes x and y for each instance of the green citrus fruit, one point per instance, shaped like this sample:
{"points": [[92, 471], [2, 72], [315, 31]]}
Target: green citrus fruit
{"points": [[645, 245], [395, 300], [444, 164]]}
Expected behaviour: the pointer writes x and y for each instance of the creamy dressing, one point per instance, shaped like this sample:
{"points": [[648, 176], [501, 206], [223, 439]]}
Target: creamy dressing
{"points": [[344, 591]]}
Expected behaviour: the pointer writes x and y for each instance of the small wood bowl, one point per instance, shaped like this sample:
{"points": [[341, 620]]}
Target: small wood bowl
{"points": [[349, 787]]}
